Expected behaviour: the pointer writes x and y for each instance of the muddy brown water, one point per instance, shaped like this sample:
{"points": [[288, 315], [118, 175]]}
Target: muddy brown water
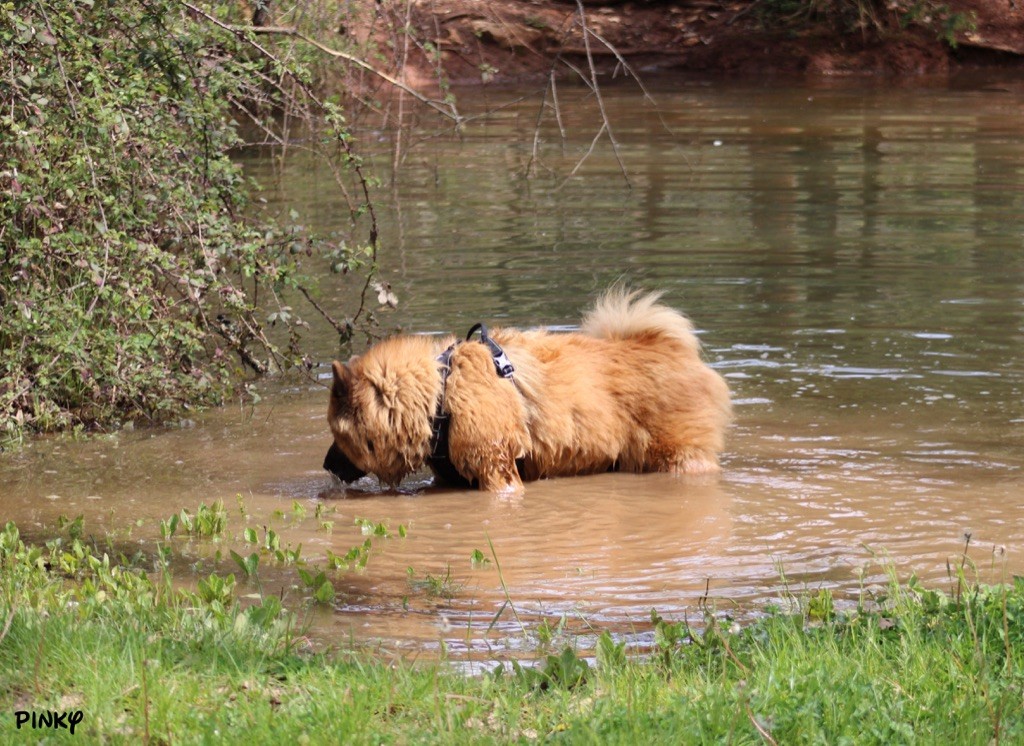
{"points": [[853, 255]]}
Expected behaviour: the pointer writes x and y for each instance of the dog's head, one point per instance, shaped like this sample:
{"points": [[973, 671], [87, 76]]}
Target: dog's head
{"points": [[380, 410]]}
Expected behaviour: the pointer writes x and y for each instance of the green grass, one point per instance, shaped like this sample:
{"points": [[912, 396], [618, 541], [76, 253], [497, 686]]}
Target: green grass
{"points": [[145, 662]]}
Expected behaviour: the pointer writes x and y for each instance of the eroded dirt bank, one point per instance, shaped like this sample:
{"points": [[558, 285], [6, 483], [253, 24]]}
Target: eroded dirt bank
{"points": [[484, 40]]}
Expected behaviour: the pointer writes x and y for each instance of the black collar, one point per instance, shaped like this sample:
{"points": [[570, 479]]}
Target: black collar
{"points": [[439, 424]]}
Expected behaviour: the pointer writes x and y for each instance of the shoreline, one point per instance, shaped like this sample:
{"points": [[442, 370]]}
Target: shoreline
{"points": [[520, 41]]}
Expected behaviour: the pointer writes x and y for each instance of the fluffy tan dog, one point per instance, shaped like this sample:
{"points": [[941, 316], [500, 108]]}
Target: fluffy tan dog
{"points": [[628, 392]]}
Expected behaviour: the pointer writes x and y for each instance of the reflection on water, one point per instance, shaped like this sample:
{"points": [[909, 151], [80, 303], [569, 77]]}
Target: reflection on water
{"points": [[854, 258]]}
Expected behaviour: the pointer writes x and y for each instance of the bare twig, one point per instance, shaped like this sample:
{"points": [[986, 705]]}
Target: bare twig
{"points": [[579, 163], [448, 111], [342, 329], [626, 66], [530, 170], [597, 93], [397, 156], [558, 109]]}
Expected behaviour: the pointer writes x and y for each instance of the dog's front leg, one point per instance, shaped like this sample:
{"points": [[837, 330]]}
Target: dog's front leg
{"points": [[489, 463], [500, 479], [488, 422]]}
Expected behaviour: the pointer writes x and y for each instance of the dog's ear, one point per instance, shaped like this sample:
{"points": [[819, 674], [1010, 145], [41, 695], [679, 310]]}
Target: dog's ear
{"points": [[337, 463], [342, 386]]}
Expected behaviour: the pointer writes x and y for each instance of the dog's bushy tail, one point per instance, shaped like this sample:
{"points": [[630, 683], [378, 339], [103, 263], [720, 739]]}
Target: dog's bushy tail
{"points": [[622, 313]]}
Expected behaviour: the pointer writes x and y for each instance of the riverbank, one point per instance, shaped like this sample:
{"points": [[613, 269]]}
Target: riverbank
{"points": [[466, 41], [94, 643]]}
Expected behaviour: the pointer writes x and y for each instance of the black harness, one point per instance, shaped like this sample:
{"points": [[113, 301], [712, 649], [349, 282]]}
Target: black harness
{"points": [[441, 422]]}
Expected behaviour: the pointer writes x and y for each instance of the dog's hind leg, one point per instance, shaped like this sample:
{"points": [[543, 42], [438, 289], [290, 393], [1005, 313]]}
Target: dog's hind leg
{"points": [[695, 461], [682, 454]]}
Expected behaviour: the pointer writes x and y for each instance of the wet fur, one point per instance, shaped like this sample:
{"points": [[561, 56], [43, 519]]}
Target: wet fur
{"points": [[629, 391]]}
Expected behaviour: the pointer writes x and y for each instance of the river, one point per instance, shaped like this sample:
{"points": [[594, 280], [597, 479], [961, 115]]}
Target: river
{"points": [[852, 254]]}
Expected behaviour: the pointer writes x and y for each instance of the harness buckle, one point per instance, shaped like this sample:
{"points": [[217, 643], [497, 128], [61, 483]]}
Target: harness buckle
{"points": [[502, 364]]}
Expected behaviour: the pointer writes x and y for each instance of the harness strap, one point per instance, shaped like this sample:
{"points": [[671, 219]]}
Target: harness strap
{"points": [[441, 421], [439, 424]]}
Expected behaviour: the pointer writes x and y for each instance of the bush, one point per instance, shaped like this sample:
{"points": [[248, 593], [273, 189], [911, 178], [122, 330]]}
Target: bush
{"points": [[132, 273], [867, 16]]}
